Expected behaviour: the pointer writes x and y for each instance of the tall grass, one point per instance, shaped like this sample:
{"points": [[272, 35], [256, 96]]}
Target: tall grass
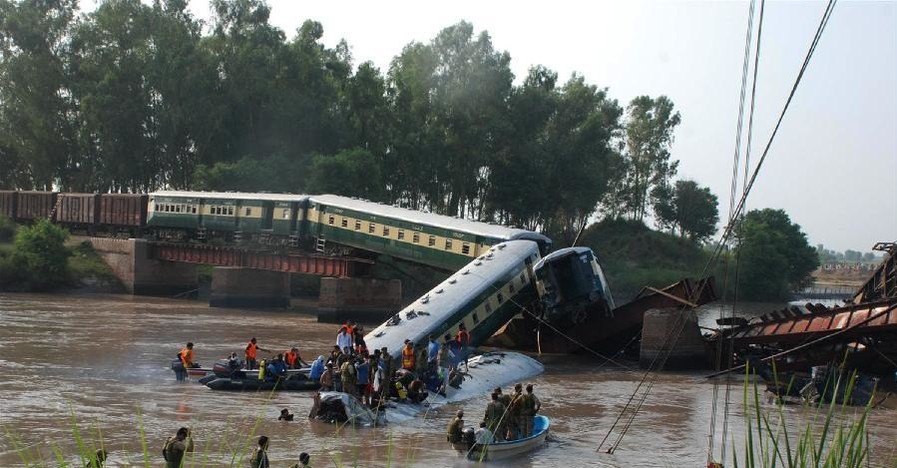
{"points": [[836, 435]]}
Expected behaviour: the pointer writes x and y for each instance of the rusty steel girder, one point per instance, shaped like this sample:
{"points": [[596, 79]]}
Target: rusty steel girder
{"points": [[233, 257]]}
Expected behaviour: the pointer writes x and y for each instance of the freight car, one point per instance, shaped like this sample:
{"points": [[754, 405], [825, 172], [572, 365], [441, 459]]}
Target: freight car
{"points": [[31, 206], [8, 203]]}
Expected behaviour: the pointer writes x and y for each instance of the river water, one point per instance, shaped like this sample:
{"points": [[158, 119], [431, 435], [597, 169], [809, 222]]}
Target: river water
{"points": [[104, 358]]}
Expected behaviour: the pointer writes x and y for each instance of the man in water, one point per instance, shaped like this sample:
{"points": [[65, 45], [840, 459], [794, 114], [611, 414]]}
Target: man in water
{"points": [[304, 460], [260, 454], [285, 415], [98, 460], [455, 428], [175, 448]]}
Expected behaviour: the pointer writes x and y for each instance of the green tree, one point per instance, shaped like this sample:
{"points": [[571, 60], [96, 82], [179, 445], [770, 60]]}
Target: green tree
{"points": [[249, 174], [41, 255], [774, 255], [354, 173], [688, 208], [36, 110], [650, 123]]}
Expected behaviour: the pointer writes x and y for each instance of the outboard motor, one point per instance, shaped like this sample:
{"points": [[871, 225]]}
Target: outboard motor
{"points": [[570, 282]]}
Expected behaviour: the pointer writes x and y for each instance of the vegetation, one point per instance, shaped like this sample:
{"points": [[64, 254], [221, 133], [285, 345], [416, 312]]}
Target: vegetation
{"points": [[774, 255], [7, 229], [134, 96], [848, 256], [687, 208], [40, 257]]}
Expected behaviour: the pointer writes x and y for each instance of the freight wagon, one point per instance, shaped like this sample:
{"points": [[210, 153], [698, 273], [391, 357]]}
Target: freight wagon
{"points": [[31, 206], [8, 203]]}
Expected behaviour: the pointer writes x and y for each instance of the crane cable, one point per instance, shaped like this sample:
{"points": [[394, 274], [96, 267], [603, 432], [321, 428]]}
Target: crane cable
{"points": [[727, 232]]}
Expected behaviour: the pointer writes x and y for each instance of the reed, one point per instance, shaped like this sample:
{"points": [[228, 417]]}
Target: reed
{"points": [[835, 436]]}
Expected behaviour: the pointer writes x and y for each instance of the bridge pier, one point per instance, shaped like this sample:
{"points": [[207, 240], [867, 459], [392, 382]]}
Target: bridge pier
{"points": [[245, 287], [132, 264], [361, 299], [665, 334]]}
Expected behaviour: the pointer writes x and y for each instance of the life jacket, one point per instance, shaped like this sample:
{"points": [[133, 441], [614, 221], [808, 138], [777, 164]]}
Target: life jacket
{"points": [[291, 358], [186, 356], [251, 350], [463, 338], [400, 390], [408, 358]]}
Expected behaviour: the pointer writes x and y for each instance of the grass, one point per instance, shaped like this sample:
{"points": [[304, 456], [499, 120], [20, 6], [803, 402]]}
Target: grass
{"points": [[837, 435], [85, 263]]}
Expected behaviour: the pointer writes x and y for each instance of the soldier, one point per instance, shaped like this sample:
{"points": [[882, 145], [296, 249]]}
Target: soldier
{"points": [[259, 457], [501, 432], [455, 428], [529, 406], [494, 412], [348, 377], [514, 426], [175, 448]]}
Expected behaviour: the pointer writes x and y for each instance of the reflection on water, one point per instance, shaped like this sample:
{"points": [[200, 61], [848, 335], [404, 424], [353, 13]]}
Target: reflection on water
{"points": [[106, 358]]}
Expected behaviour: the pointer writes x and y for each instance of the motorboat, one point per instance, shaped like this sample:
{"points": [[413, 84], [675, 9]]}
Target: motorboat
{"points": [[294, 382], [509, 448]]}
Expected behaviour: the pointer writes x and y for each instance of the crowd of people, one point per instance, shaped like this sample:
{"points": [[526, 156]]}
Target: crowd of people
{"points": [[507, 417]]}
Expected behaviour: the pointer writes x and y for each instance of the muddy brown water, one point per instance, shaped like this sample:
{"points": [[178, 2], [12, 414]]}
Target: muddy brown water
{"points": [[104, 358]]}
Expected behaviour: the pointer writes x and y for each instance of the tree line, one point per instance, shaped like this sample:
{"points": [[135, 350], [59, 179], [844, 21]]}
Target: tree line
{"points": [[134, 97]]}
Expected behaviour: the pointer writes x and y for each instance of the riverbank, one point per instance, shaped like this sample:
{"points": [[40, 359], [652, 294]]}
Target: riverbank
{"points": [[85, 272]]}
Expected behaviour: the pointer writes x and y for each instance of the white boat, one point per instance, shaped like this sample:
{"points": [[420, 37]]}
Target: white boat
{"points": [[512, 448]]}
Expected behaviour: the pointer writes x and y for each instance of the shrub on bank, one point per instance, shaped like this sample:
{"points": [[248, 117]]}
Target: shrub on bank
{"points": [[40, 258], [7, 229]]}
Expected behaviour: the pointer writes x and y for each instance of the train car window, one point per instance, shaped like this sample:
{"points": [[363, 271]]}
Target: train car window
{"points": [[488, 308], [448, 244], [431, 242], [248, 211], [286, 213], [357, 225], [177, 208], [415, 238], [194, 209], [386, 231], [511, 288], [371, 228], [522, 278], [330, 220], [476, 319], [465, 249], [401, 234], [500, 298], [230, 211], [344, 222]]}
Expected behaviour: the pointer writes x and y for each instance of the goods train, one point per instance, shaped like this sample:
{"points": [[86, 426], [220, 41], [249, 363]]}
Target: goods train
{"points": [[327, 223]]}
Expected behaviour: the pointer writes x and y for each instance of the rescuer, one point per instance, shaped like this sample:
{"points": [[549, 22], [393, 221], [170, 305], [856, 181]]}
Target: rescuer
{"points": [[293, 359], [455, 428], [408, 356], [252, 350], [529, 406]]}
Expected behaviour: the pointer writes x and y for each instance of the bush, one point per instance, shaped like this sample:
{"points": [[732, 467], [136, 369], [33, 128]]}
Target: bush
{"points": [[7, 229], [41, 256]]}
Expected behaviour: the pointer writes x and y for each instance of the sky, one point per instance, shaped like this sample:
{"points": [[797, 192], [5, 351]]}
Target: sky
{"points": [[833, 165]]}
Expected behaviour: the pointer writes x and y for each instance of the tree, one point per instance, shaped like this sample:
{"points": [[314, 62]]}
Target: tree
{"points": [[649, 135], [353, 173], [41, 255], [688, 208], [774, 255]]}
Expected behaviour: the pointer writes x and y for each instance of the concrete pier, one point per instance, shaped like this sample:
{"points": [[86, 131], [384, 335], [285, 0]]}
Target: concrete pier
{"points": [[139, 274], [659, 338], [362, 299], [244, 287]]}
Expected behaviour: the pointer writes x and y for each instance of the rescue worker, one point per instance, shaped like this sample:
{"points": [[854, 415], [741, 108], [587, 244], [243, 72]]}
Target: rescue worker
{"points": [[408, 356], [259, 457], [175, 448], [421, 362], [304, 459], [363, 374], [444, 359], [293, 359], [432, 352], [348, 377], [494, 413], [358, 340], [98, 460], [501, 433], [483, 436], [529, 406], [513, 416], [463, 339], [317, 368], [187, 356], [344, 340], [454, 432], [285, 415], [276, 369], [327, 378], [416, 391], [252, 349]]}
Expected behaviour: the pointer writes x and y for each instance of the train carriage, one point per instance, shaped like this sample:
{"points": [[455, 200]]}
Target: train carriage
{"points": [[79, 210], [31, 206], [123, 210], [436, 240], [8, 203], [174, 210]]}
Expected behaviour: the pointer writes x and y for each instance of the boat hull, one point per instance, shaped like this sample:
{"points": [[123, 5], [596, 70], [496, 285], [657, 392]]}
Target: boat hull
{"points": [[513, 448], [254, 384]]}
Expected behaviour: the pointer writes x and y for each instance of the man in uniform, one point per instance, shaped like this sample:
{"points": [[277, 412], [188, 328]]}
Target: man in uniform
{"points": [[348, 377], [176, 446], [494, 413], [501, 433], [454, 433], [529, 406], [514, 413]]}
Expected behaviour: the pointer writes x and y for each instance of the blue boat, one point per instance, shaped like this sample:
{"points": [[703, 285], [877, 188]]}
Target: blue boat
{"points": [[512, 448]]}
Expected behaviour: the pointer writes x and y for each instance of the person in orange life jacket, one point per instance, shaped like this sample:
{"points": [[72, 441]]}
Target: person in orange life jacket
{"points": [[408, 356], [463, 342], [252, 350], [293, 359], [187, 356]]}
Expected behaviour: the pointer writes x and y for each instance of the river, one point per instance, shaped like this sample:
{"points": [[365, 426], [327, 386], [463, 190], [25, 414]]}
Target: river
{"points": [[104, 359]]}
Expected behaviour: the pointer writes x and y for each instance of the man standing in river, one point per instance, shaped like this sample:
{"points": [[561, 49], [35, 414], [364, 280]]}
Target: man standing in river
{"points": [[176, 447]]}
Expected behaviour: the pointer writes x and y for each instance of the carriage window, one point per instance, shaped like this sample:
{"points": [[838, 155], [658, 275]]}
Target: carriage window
{"points": [[194, 209], [177, 209], [522, 278], [511, 288], [476, 319], [357, 225], [500, 298], [465, 249], [371, 228], [344, 222], [431, 242], [230, 211], [330, 220], [448, 244], [488, 308], [248, 211], [286, 213], [401, 234], [415, 238], [386, 231]]}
